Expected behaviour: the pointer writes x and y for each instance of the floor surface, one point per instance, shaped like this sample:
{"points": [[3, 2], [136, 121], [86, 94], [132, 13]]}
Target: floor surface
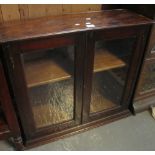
{"points": [[131, 133]]}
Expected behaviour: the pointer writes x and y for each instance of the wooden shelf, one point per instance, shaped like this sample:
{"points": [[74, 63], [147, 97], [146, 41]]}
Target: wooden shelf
{"points": [[47, 69], [105, 60]]}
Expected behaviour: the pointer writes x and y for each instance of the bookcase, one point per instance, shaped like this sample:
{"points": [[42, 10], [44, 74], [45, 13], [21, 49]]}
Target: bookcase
{"points": [[73, 72]]}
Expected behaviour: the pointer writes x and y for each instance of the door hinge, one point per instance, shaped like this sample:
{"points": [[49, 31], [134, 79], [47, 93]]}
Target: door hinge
{"points": [[12, 62]]}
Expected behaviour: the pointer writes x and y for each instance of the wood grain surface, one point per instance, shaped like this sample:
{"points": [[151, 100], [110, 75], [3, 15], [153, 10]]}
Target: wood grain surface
{"points": [[70, 23]]}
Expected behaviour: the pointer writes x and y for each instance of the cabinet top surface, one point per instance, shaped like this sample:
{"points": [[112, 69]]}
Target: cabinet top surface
{"points": [[48, 26]]}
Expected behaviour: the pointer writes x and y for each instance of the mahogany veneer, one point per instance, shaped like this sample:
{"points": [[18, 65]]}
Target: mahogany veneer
{"points": [[4, 130], [9, 127], [29, 77], [68, 23]]}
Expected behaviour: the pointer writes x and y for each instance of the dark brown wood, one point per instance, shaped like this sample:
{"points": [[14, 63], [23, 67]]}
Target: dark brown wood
{"points": [[143, 100], [69, 23], [76, 130], [82, 31], [139, 33], [10, 126], [20, 87], [144, 9], [4, 130], [110, 6]]}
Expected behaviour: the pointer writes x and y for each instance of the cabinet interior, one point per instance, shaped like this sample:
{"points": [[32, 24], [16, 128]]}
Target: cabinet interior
{"points": [[48, 66], [51, 100], [50, 80], [52, 103], [111, 61]]}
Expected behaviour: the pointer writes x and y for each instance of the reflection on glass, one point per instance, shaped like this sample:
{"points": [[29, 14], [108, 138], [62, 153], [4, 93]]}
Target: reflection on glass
{"points": [[50, 81], [153, 50], [148, 78], [111, 63]]}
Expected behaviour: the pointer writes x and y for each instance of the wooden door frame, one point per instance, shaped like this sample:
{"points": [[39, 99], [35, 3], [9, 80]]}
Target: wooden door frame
{"points": [[12, 53], [7, 106], [139, 32]]}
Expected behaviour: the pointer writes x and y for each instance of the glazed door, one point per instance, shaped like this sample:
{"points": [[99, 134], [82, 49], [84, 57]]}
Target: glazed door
{"points": [[146, 84], [111, 70], [47, 83]]}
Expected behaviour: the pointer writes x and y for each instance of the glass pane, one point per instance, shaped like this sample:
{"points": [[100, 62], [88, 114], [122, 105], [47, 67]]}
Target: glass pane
{"points": [[111, 63], [50, 81], [148, 78], [153, 50]]}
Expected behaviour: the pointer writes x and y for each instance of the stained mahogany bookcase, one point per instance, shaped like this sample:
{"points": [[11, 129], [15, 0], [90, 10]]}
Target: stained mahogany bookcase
{"points": [[73, 72]]}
